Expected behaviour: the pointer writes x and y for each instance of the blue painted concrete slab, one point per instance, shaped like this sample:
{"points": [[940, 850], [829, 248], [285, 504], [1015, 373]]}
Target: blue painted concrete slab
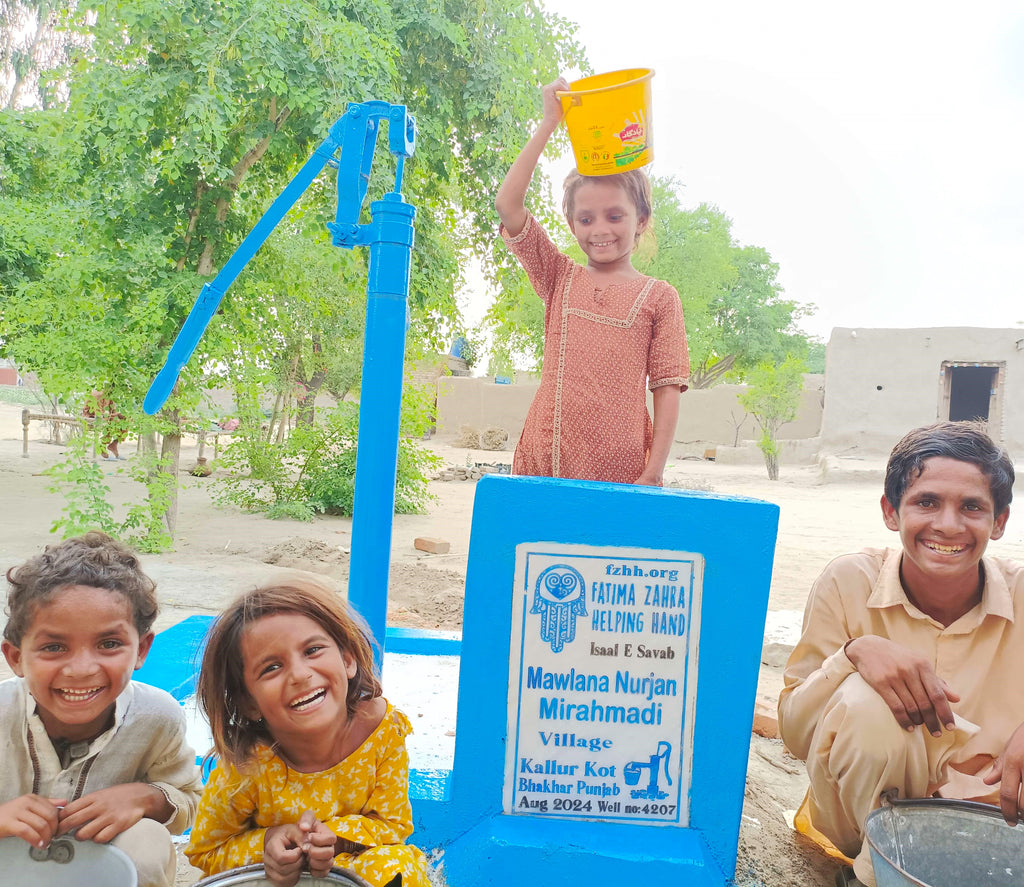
{"points": [[422, 641], [486, 847], [174, 659]]}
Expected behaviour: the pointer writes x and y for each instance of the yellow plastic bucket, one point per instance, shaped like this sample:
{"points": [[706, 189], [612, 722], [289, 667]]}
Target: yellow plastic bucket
{"points": [[609, 121]]}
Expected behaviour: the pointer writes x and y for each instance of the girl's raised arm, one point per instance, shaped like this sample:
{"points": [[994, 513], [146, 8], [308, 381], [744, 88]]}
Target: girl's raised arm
{"points": [[511, 199]]}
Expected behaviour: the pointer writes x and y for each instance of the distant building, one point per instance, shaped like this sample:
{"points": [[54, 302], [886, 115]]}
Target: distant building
{"points": [[880, 383], [9, 373]]}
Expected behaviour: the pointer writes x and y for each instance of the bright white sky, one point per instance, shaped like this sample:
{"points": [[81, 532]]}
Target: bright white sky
{"points": [[875, 149]]}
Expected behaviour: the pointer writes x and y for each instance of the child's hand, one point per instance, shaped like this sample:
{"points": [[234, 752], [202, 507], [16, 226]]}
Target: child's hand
{"points": [[907, 682], [1008, 770], [102, 815], [552, 103], [651, 478], [318, 844], [283, 855], [31, 818]]}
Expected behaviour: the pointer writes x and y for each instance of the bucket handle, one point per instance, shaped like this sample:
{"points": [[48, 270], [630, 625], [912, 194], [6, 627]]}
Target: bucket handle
{"points": [[575, 98]]}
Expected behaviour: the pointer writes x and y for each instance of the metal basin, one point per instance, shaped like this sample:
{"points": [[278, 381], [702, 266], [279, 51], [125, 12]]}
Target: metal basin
{"points": [[65, 863], [253, 876], [934, 842]]}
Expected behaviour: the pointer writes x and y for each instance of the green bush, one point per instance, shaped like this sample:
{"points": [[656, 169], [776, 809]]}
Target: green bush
{"points": [[314, 470], [82, 482], [85, 490], [291, 511]]}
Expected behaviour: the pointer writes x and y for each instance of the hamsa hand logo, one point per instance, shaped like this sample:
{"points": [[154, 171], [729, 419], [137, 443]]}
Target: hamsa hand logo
{"points": [[560, 595]]}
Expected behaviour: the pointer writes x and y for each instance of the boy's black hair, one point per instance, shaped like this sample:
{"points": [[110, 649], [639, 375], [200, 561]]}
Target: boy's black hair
{"points": [[963, 441], [95, 560]]}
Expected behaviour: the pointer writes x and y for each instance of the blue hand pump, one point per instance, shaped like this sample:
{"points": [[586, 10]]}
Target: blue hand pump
{"points": [[390, 239]]}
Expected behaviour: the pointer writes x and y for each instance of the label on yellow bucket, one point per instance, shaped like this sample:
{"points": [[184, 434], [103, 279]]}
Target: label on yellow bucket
{"points": [[609, 121]]}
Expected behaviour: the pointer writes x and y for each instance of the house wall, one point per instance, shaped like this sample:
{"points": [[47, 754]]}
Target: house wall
{"points": [[705, 415], [712, 414], [479, 402], [883, 382]]}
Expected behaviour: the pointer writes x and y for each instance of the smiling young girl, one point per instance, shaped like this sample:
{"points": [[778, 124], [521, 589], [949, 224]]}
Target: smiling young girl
{"points": [[313, 769], [610, 332]]}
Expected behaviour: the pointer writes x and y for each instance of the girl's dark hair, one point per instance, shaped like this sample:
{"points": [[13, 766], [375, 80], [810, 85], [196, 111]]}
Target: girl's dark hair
{"points": [[634, 182], [94, 560], [963, 441], [221, 689]]}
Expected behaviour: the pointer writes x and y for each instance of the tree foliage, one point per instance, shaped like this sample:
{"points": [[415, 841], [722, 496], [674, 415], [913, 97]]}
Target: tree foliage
{"points": [[773, 398], [736, 317], [816, 350], [32, 43], [183, 119], [313, 470]]}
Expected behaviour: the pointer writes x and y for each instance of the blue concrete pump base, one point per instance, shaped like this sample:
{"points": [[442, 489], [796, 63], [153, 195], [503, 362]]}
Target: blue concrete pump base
{"points": [[464, 820]]}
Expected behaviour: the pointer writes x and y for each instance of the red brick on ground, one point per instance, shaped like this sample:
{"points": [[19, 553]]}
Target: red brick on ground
{"points": [[766, 719]]}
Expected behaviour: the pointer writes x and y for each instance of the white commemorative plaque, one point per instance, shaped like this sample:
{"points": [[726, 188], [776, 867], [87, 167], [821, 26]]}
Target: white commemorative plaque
{"points": [[602, 683]]}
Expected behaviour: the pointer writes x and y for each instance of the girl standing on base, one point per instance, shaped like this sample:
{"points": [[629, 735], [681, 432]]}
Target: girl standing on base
{"points": [[313, 770], [610, 332]]}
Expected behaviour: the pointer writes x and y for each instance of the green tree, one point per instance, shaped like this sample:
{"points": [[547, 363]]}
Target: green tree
{"points": [[735, 314], [772, 398], [31, 44], [815, 355], [183, 120]]}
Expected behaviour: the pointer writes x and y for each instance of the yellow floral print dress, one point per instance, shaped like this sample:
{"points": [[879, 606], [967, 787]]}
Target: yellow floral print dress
{"points": [[365, 799]]}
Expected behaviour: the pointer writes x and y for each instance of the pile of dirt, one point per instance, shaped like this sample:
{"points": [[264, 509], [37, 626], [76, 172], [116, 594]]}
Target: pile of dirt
{"points": [[419, 596], [472, 472], [491, 437], [310, 555]]}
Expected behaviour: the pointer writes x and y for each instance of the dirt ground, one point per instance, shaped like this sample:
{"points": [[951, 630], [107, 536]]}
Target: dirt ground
{"points": [[220, 552]]}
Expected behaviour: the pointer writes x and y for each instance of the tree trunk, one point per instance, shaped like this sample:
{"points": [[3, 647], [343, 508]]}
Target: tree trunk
{"points": [[274, 413], [238, 172], [193, 217], [737, 426], [147, 442], [170, 456], [306, 406], [283, 418], [705, 377]]}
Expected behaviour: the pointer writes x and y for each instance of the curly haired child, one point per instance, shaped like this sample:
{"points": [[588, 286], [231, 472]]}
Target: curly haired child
{"points": [[86, 749]]}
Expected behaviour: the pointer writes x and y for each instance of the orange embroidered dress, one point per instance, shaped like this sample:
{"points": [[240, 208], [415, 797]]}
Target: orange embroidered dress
{"points": [[602, 349]]}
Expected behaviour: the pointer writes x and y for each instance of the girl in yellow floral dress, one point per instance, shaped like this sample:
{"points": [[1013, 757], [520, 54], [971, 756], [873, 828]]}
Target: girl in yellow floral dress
{"points": [[313, 770]]}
